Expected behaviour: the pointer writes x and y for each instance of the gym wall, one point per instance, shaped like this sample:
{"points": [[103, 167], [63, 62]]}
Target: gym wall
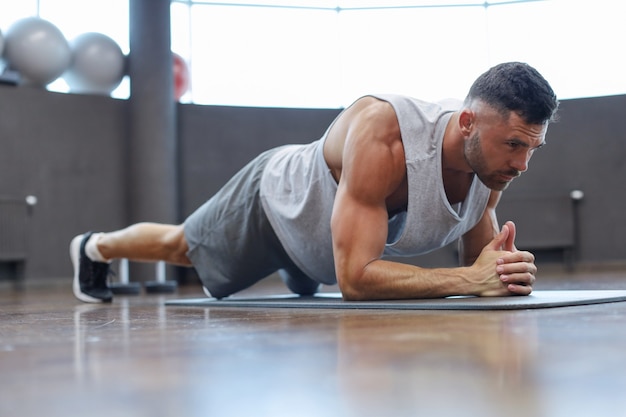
{"points": [[70, 152]]}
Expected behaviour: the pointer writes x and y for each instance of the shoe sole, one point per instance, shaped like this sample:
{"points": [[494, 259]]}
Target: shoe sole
{"points": [[75, 256]]}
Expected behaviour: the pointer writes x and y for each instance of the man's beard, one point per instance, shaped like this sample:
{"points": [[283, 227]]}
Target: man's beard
{"points": [[476, 160]]}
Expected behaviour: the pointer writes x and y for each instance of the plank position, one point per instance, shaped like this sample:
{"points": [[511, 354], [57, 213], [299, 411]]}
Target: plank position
{"points": [[391, 176]]}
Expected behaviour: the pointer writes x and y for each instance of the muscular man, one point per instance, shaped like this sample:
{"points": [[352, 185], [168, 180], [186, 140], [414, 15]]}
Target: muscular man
{"points": [[392, 176]]}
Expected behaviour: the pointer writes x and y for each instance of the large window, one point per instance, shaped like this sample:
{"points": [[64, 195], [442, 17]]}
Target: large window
{"points": [[325, 53]]}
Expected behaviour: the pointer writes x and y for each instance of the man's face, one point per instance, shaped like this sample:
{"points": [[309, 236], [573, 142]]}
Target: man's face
{"points": [[499, 148]]}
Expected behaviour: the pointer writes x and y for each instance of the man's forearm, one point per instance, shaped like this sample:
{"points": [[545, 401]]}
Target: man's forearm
{"points": [[386, 280]]}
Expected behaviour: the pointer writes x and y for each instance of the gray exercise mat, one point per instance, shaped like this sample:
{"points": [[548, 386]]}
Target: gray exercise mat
{"points": [[538, 299]]}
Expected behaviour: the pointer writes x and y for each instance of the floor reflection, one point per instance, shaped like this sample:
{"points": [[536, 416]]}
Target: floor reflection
{"points": [[449, 359]]}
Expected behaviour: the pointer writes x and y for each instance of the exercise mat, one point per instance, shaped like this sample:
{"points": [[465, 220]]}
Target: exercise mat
{"points": [[538, 299]]}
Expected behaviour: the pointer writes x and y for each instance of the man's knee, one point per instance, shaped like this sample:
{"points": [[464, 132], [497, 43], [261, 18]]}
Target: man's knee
{"points": [[174, 242], [298, 282]]}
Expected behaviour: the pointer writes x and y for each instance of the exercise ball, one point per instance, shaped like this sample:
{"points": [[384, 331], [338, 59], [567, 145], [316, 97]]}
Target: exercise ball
{"points": [[37, 50], [181, 76], [97, 65]]}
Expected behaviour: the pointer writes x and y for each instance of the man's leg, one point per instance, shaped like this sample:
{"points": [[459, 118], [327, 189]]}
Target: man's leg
{"points": [[91, 254], [147, 242], [298, 282]]}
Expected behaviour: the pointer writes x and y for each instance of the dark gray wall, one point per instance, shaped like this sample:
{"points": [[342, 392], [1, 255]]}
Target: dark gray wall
{"points": [[69, 151], [586, 150]]}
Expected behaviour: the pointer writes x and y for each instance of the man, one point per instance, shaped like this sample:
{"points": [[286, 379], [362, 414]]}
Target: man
{"points": [[392, 176]]}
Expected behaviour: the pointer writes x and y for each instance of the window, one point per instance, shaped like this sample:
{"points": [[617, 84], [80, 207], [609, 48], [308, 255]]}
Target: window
{"points": [[326, 53], [109, 17]]}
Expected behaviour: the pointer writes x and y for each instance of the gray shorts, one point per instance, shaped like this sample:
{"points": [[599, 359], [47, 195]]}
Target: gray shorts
{"points": [[231, 242]]}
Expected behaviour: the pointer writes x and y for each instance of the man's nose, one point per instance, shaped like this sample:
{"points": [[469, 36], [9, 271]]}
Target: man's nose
{"points": [[520, 163]]}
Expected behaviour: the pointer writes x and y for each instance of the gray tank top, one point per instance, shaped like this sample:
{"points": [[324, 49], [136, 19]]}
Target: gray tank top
{"points": [[298, 190]]}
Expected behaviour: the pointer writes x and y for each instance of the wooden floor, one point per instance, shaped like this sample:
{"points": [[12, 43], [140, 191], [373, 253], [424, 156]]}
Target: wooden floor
{"points": [[136, 357]]}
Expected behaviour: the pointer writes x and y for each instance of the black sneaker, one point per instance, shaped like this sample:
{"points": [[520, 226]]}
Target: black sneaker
{"points": [[90, 278]]}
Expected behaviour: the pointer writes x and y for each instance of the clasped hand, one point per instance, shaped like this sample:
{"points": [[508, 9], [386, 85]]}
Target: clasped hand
{"points": [[503, 270]]}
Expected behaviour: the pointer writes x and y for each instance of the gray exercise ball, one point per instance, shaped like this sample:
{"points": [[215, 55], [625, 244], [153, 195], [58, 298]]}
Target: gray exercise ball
{"points": [[37, 50], [97, 64]]}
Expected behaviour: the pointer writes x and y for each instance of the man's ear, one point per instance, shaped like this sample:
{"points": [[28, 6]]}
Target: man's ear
{"points": [[466, 121]]}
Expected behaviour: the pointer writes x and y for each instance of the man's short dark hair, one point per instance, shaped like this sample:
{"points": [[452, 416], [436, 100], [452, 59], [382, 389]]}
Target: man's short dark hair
{"points": [[516, 87]]}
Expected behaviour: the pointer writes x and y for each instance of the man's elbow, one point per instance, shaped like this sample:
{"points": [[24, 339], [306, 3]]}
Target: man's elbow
{"points": [[351, 288]]}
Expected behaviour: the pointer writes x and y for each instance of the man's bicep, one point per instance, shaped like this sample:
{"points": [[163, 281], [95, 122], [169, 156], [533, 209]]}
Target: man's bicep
{"points": [[372, 161], [359, 232]]}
